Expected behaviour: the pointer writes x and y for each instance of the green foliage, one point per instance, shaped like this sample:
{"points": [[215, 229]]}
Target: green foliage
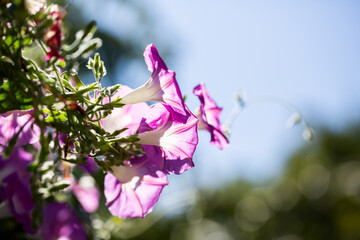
{"points": [[61, 104]]}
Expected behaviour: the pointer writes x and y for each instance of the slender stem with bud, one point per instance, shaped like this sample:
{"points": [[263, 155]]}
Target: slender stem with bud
{"points": [[297, 117]]}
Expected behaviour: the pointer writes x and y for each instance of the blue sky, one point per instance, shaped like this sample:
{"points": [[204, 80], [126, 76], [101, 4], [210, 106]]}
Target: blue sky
{"points": [[305, 52]]}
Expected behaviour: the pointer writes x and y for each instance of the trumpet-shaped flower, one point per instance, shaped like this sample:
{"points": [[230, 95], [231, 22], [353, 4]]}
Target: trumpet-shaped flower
{"points": [[161, 86], [61, 223], [209, 117], [133, 190], [177, 140], [129, 116]]}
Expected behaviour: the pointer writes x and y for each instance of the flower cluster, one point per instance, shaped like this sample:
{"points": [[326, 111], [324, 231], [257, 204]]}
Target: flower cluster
{"points": [[59, 135], [167, 132], [61, 141]]}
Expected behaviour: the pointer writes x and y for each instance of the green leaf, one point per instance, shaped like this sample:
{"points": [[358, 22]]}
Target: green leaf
{"points": [[7, 59], [68, 85], [117, 132], [3, 96], [78, 82], [90, 29], [86, 49], [59, 186], [88, 88]]}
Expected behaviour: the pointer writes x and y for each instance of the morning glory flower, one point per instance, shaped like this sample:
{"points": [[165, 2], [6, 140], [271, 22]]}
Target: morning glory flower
{"points": [[161, 86], [15, 180], [129, 116], [60, 222], [133, 190], [209, 117], [177, 140]]}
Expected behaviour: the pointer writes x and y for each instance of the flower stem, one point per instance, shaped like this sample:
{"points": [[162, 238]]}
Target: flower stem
{"points": [[241, 104]]}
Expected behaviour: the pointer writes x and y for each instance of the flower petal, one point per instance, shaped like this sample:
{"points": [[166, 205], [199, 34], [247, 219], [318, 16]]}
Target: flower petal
{"points": [[61, 223], [135, 189], [162, 86], [129, 116], [177, 140], [18, 194], [209, 117], [12, 122]]}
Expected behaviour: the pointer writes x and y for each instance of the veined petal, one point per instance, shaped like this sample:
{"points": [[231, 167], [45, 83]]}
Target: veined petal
{"points": [[132, 191], [153, 59], [177, 140], [162, 86], [209, 117]]}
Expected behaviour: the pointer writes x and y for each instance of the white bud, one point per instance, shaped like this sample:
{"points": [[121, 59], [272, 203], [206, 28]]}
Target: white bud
{"points": [[293, 120], [308, 134]]}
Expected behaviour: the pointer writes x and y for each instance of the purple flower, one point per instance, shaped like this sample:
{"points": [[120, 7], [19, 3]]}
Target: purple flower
{"points": [[18, 194], [161, 86], [15, 180], [209, 117], [11, 123], [18, 160], [87, 193], [177, 140], [132, 191], [60, 222], [90, 166]]}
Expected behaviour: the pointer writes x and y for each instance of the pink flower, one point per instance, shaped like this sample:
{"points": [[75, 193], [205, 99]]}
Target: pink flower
{"points": [[11, 123], [87, 193], [209, 117], [133, 190], [177, 141], [161, 86], [129, 116], [54, 35], [61, 223], [15, 180]]}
